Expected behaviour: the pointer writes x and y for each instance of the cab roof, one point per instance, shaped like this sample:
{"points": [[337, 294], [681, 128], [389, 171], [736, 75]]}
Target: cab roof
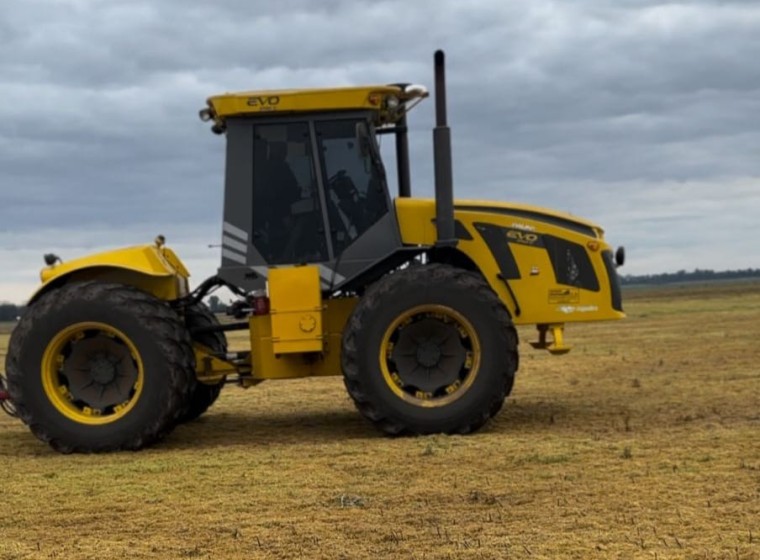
{"points": [[386, 101]]}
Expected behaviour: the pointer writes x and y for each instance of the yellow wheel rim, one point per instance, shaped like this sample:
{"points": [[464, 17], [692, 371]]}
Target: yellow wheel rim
{"points": [[430, 355], [92, 373]]}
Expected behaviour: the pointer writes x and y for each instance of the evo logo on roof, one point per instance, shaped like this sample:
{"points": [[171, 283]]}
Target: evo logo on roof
{"points": [[264, 103]]}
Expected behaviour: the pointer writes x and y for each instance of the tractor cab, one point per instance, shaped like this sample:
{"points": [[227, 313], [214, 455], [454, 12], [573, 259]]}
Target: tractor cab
{"points": [[305, 182]]}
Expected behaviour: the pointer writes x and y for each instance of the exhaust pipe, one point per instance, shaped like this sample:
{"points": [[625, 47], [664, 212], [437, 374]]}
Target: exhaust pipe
{"points": [[444, 189]]}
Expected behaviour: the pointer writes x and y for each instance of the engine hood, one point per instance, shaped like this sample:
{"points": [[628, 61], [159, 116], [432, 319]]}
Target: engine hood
{"points": [[527, 211]]}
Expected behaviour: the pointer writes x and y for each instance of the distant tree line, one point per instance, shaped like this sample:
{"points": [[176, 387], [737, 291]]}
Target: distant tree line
{"points": [[684, 276], [216, 305]]}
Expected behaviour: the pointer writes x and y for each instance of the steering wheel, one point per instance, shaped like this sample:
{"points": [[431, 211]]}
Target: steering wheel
{"points": [[339, 175], [343, 186]]}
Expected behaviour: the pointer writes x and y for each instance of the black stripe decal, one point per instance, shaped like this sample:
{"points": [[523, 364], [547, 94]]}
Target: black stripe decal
{"points": [[460, 231], [537, 216], [496, 240]]}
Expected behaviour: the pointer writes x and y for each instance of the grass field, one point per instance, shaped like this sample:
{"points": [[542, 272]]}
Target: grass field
{"points": [[644, 442]]}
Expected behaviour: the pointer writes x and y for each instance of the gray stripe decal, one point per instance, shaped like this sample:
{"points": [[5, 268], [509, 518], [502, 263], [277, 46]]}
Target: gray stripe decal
{"points": [[261, 271], [236, 231], [226, 253], [234, 244], [330, 275]]}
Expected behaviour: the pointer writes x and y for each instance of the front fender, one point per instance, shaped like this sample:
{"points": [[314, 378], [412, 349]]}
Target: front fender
{"points": [[153, 269]]}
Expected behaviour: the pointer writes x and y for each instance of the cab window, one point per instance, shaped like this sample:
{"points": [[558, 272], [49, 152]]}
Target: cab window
{"points": [[287, 216], [354, 179]]}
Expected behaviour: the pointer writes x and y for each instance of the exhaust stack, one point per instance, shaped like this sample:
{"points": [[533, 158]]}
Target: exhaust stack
{"points": [[444, 190]]}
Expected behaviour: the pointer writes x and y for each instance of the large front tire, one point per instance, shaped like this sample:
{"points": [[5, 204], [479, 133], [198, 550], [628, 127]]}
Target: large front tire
{"points": [[429, 349], [97, 367]]}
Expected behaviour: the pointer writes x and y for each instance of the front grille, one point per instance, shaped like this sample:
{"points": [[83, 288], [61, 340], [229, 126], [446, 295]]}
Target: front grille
{"points": [[609, 264], [572, 265]]}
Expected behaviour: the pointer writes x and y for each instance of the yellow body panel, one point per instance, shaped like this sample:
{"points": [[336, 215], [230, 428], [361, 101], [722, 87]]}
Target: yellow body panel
{"points": [[210, 369], [153, 269], [251, 103], [499, 206], [295, 299], [266, 364], [540, 298]]}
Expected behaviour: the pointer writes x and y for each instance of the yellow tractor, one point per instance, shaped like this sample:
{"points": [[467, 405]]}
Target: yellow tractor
{"points": [[413, 301]]}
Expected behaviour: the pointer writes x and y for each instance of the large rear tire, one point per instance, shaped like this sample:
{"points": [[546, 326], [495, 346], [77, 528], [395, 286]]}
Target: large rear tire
{"points": [[202, 396], [429, 349], [96, 367]]}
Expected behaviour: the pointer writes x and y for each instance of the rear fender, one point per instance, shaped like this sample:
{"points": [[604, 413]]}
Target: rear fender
{"points": [[152, 269]]}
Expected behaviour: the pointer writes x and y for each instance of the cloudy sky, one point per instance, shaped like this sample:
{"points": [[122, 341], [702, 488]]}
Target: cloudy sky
{"points": [[643, 116]]}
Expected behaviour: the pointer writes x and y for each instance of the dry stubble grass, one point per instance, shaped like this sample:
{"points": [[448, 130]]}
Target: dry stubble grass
{"points": [[641, 443]]}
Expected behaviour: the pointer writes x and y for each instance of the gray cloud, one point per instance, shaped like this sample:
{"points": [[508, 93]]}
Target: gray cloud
{"points": [[644, 116]]}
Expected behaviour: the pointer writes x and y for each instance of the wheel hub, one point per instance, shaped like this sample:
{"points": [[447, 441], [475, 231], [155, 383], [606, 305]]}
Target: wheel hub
{"points": [[100, 371], [428, 355]]}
